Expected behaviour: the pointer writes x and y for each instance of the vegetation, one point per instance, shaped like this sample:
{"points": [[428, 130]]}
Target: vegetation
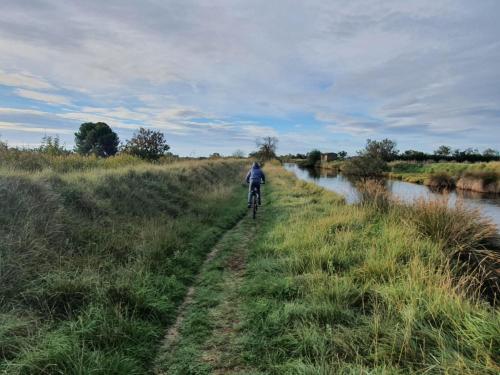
{"points": [[372, 161], [147, 144], [441, 180], [365, 166], [372, 288], [93, 263], [481, 177], [98, 253], [384, 149], [14, 159], [445, 153], [96, 139], [52, 146], [266, 148], [312, 160]]}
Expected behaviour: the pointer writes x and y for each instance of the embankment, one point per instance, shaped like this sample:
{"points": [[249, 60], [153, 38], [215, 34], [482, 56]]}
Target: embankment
{"points": [[479, 177], [374, 288], [94, 263]]}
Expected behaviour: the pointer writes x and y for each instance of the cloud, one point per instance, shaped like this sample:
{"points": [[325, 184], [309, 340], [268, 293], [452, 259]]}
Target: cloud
{"points": [[200, 70], [51, 99], [23, 80], [32, 129]]}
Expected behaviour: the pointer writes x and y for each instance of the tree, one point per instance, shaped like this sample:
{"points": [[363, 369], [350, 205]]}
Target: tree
{"points": [[312, 158], [365, 166], [490, 153], [384, 149], [238, 154], [215, 155], [267, 148], [52, 146], [414, 155], [97, 139], [443, 151], [342, 155], [147, 144]]}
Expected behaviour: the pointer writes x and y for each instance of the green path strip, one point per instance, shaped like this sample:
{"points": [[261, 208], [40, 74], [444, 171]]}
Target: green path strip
{"points": [[205, 337]]}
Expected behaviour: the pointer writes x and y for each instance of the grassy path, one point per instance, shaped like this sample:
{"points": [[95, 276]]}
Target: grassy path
{"points": [[204, 338]]}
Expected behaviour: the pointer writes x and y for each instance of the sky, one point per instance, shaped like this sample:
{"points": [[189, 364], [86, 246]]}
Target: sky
{"points": [[214, 75]]}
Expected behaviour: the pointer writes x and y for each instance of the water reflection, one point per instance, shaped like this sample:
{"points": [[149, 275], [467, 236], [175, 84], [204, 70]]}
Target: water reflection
{"points": [[405, 191]]}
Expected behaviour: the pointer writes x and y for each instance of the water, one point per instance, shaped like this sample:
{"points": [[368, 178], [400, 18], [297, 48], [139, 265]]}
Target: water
{"points": [[405, 191]]}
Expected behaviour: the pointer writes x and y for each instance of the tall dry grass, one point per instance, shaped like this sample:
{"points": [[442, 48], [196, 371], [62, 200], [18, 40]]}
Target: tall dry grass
{"points": [[374, 193]]}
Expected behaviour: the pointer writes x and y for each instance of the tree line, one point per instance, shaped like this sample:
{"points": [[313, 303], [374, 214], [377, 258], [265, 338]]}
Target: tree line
{"points": [[98, 139], [386, 150]]}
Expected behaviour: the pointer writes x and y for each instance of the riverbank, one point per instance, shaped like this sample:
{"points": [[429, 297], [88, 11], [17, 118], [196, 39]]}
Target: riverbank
{"points": [[95, 261], [476, 177], [326, 288]]}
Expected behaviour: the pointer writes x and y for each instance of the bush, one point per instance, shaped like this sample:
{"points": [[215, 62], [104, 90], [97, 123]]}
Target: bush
{"points": [[441, 180], [147, 144], [365, 166]]}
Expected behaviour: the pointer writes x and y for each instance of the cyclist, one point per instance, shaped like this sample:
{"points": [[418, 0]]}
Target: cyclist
{"points": [[254, 178]]}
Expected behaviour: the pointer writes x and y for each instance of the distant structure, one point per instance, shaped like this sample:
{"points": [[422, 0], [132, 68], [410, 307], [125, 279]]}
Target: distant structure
{"points": [[328, 156]]}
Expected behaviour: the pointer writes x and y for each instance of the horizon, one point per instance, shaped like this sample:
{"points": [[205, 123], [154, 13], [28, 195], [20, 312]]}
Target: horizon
{"points": [[215, 77]]}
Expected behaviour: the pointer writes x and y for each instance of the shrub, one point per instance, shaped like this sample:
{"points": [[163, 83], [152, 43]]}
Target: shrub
{"points": [[147, 144], [365, 166], [441, 180]]}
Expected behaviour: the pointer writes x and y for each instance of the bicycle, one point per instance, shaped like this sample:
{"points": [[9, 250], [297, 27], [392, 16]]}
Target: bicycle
{"points": [[254, 201]]}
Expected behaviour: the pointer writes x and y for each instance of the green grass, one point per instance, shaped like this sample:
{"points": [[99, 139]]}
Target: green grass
{"points": [[338, 289], [94, 262]]}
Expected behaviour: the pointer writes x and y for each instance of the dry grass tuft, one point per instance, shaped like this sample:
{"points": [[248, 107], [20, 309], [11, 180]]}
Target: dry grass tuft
{"points": [[373, 193], [469, 239]]}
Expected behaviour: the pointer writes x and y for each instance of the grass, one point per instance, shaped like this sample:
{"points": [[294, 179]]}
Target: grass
{"points": [[207, 337], [338, 289], [95, 261]]}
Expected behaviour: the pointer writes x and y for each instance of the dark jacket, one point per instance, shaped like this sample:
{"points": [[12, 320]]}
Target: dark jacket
{"points": [[255, 175]]}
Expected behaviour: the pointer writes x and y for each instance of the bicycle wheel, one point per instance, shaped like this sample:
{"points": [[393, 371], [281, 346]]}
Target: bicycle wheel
{"points": [[254, 205]]}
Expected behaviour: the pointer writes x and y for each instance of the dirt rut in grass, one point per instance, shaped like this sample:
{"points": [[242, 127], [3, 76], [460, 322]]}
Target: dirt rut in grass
{"points": [[220, 352]]}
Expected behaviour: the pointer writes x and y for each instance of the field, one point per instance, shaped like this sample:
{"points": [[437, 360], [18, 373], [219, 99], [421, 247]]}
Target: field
{"points": [[96, 263]]}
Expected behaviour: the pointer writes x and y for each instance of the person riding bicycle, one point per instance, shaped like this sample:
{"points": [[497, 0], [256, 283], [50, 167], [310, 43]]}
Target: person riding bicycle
{"points": [[254, 178]]}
